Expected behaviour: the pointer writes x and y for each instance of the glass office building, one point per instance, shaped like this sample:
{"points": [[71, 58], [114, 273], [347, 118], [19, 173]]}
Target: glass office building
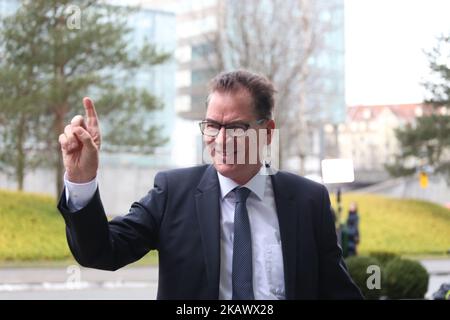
{"points": [[158, 28]]}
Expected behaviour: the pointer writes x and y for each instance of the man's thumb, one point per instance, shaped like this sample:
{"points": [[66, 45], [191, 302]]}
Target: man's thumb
{"points": [[84, 137]]}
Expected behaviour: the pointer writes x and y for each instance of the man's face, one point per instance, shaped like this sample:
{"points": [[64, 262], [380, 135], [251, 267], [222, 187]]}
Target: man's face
{"points": [[235, 157]]}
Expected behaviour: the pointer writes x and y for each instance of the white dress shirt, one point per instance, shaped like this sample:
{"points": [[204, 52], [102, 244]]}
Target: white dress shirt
{"points": [[78, 195], [267, 258]]}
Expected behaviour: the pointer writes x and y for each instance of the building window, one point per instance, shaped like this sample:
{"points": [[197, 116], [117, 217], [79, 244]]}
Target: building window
{"points": [[418, 112], [202, 50], [201, 76], [198, 102]]}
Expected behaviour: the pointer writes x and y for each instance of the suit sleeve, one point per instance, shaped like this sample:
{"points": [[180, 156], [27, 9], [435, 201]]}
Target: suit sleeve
{"points": [[334, 279], [97, 243]]}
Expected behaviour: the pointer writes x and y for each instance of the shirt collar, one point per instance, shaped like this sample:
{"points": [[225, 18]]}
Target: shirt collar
{"points": [[257, 185]]}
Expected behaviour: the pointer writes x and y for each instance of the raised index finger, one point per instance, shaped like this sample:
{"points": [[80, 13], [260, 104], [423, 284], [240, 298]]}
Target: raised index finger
{"points": [[91, 114]]}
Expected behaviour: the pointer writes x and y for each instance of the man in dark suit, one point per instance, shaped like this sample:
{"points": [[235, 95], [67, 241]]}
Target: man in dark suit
{"points": [[222, 231]]}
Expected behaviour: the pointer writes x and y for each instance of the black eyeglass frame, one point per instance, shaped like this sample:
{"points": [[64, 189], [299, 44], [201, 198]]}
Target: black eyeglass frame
{"points": [[245, 126]]}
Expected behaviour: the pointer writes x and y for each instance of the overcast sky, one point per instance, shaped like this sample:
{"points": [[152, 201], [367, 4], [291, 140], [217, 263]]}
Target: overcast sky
{"points": [[384, 42]]}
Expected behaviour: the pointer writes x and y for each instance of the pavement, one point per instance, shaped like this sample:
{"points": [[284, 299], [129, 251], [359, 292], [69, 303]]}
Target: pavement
{"points": [[439, 271], [129, 283], [78, 283]]}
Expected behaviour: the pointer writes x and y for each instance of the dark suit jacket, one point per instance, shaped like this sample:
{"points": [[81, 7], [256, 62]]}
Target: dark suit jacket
{"points": [[180, 217]]}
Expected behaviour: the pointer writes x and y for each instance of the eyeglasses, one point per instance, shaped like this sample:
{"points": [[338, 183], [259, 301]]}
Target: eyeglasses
{"points": [[212, 128]]}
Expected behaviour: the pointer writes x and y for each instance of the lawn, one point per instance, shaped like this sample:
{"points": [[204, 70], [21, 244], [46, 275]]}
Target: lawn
{"points": [[408, 227], [32, 229]]}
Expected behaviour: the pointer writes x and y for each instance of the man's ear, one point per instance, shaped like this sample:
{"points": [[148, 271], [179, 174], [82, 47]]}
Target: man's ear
{"points": [[270, 127]]}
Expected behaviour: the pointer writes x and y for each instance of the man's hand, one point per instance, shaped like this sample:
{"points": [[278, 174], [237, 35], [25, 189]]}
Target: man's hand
{"points": [[80, 144]]}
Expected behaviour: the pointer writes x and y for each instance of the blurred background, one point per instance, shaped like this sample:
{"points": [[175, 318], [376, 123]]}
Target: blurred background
{"points": [[362, 80]]}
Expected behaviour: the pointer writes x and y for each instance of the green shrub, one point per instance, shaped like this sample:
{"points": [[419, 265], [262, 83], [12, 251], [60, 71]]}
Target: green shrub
{"points": [[384, 257], [405, 279], [357, 267]]}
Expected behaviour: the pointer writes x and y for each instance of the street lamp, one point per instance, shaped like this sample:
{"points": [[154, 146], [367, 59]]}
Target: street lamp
{"points": [[338, 171]]}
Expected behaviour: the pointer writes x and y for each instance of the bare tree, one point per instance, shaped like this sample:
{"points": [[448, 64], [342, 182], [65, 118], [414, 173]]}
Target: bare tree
{"points": [[284, 40]]}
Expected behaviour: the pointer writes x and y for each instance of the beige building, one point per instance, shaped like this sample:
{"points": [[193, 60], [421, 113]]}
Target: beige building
{"points": [[368, 136]]}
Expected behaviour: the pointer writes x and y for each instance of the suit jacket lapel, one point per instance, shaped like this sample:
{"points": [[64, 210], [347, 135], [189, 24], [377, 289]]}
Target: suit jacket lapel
{"points": [[207, 199], [287, 219]]}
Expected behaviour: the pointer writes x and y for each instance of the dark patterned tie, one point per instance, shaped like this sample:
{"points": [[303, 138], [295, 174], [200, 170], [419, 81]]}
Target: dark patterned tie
{"points": [[242, 249]]}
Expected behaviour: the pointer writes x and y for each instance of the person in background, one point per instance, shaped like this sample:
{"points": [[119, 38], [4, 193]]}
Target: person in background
{"points": [[352, 230]]}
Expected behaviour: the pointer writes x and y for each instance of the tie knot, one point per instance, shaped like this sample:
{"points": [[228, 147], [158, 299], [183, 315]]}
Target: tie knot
{"points": [[242, 194]]}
